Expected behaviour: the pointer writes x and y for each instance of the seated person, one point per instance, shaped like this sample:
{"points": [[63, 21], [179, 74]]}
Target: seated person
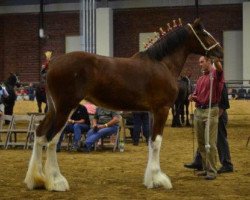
{"points": [[105, 123], [3, 94], [78, 123]]}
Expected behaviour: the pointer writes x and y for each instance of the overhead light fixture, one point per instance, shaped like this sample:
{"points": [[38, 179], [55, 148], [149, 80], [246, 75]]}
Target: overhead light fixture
{"points": [[41, 33]]}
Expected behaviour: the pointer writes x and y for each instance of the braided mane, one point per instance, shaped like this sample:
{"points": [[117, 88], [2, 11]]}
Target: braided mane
{"points": [[166, 44]]}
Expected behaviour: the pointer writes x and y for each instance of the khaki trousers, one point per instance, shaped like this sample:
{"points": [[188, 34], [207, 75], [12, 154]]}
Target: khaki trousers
{"points": [[200, 125]]}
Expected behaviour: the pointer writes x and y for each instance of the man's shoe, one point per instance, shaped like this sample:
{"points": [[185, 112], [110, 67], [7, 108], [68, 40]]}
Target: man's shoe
{"points": [[74, 149], [135, 143], [83, 150], [193, 166], [204, 173], [58, 150], [224, 169], [210, 177]]}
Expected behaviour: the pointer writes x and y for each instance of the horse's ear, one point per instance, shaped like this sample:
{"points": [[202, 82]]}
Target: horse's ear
{"points": [[197, 22]]}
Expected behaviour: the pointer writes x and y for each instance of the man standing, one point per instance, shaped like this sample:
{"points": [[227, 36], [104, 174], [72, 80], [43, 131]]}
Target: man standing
{"points": [[222, 142], [208, 88]]}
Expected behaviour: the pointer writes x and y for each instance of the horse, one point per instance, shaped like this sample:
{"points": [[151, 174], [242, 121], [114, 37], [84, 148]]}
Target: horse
{"points": [[9, 102], [40, 93], [181, 104], [144, 82]]}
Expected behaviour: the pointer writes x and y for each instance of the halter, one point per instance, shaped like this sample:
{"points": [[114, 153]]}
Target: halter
{"points": [[202, 44]]}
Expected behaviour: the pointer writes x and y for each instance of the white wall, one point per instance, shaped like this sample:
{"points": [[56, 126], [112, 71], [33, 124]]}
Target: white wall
{"points": [[104, 31], [233, 61], [246, 42], [72, 43], [144, 38]]}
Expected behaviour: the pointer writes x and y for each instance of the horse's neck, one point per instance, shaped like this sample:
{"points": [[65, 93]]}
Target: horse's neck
{"points": [[176, 60]]}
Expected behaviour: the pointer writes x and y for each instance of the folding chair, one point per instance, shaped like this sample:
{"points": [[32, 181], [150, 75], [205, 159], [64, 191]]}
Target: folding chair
{"points": [[4, 128], [128, 126], [125, 127], [20, 124], [109, 141], [36, 120], [69, 138]]}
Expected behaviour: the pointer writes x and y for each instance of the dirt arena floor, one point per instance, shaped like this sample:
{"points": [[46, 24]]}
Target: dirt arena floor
{"points": [[107, 175]]}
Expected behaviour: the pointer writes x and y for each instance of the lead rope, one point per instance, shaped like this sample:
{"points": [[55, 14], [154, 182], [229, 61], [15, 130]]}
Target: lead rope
{"points": [[207, 145], [192, 119]]}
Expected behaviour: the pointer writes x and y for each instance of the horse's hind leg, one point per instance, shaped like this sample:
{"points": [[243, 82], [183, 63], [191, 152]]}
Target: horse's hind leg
{"points": [[35, 177], [154, 177], [54, 179]]}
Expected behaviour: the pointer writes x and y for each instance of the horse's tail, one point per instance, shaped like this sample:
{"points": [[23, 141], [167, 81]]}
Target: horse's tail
{"points": [[47, 126]]}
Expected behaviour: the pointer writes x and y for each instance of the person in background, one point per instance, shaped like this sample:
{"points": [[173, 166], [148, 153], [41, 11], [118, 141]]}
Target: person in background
{"points": [[45, 65], [141, 124], [3, 94], [31, 92], [78, 123], [105, 123]]}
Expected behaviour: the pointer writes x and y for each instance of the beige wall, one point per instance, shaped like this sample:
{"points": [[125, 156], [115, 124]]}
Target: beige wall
{"points": [[104, 31], [246, 42]]}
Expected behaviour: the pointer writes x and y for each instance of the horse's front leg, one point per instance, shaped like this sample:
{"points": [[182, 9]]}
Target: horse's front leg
{"points": [[154, 177], [55, 181], [35, 177]]}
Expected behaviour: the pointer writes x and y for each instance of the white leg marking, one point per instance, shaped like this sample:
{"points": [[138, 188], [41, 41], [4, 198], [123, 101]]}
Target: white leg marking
{"points": [[34, 176], [154, 177], [54, 179]]}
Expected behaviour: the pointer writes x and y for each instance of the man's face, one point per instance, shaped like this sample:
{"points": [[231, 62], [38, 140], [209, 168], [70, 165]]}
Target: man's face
{"points": [[204, 64]]}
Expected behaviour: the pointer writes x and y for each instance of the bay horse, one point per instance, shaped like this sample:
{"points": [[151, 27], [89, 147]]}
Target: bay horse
{"points": [[147, 81], [9, 102], [181, 105]]}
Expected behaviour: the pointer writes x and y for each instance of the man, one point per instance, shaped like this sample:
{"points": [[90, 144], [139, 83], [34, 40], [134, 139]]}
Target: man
{"points": [[222, 143], [201, 95], [141, 124], [105, 123], [78, 123]]}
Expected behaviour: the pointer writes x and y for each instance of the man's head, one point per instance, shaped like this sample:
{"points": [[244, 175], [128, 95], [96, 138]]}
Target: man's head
{"points": [[205, 64]]}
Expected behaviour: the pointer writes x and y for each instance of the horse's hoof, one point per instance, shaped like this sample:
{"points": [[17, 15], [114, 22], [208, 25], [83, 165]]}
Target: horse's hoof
{"points": [[158, 180], [34, 182], [58, 183]]}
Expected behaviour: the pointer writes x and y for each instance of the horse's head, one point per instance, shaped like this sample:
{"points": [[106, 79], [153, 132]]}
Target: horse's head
{"points": [[13, 80], [205, 43]]}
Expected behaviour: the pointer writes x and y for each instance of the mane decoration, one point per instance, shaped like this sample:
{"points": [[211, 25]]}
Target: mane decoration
{"points": [[165, 41]]}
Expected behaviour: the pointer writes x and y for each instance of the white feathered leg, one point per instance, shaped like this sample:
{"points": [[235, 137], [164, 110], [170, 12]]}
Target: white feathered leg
{"points": [[54, 179], [35, 177], [154, 177]]}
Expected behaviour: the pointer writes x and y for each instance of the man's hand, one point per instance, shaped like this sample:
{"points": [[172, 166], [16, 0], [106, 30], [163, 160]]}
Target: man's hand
{"points": [[192, 97], [218, 65], [71, 121]]}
